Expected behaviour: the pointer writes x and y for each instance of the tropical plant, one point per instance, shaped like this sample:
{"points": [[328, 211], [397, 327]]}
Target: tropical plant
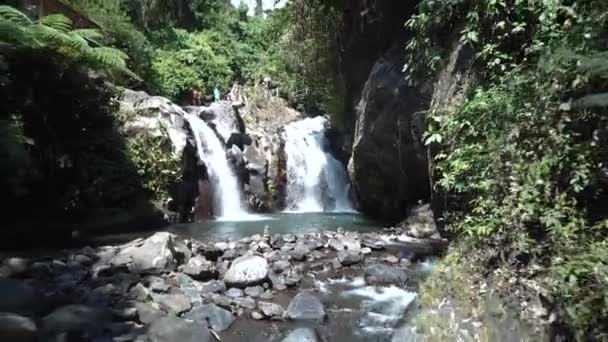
{"points": [[56, 32]]}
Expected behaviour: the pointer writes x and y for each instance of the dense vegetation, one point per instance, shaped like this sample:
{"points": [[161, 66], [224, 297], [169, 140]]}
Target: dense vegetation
{"points": [[522, 162]]}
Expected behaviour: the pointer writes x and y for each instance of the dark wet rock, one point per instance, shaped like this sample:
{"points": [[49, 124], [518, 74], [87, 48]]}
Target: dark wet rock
{"points": [[277, 241], [349, 257], [173, 303], [384, 274], [156, 253], [15, 328], [245, 302], [172, 329], [300, 252], [147, 313], [271, 310], [301, 335], [373, 243], [213, 286], [77, 320], [281, 265], [218, 319], [306, 306], [210, 252], [254, 291], [200, 269], [246, 271], [234, 293], [17, 297]]}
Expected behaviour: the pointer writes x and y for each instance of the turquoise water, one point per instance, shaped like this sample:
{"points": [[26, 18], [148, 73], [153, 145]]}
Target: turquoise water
{"points": [[282, 223]]}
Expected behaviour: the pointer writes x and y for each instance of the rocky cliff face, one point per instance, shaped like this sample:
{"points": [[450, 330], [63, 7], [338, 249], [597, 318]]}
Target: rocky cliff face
{"points": [[389, 164], [250, 134]]}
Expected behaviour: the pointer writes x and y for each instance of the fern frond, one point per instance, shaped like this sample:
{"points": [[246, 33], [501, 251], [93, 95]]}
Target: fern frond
{"points": [[15, 34], [91, 35], [14, 15], [58, 22], [109, 56]]}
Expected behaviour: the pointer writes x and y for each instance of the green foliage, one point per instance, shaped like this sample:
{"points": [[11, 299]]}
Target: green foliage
{"points": [[18, 31], [191, 63], [156, 164], [521, 162]]}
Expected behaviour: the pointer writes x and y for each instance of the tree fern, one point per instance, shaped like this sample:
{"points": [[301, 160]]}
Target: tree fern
{"points": [[56, 32]]}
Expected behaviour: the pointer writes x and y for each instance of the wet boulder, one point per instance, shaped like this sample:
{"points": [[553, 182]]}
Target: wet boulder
{"points": [[200, 269], [15, 328], [218, 319], [156, 253], [246, 271], [306, 306], [18, 297], [348, 257], [84, 321], [301, 335], [172, 329]]}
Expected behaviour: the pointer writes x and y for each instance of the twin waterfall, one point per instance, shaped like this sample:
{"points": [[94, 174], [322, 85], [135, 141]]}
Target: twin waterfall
{"points": [[316, 181], [227, 197]]}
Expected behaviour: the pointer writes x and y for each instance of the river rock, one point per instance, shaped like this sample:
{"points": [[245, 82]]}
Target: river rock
{"points": [[200, 269], [213, 286], [384, 274], [301, 335], [349, 257], [420, 222], [173, 329], [218, 318], [256, 315], [234, 293], [15, 328], [246, 270], [306, 306], [77, 320], [173, 303], [271, 310], [156, 284], [210, 252], [221, 300], [147, 313], [281, 265], [16, 265], [157, 253], [351, 242], [245, 302], [336, 244], [18, 297], [254, 291], [300, 252]]}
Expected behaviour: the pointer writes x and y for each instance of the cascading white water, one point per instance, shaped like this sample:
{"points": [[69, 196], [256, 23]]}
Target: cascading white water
{"points": [[316, 181], [227, 197]]}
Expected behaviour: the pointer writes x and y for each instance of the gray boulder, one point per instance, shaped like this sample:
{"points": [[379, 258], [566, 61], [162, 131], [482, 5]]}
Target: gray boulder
{"points": [[147, 313], [347, 257], [301, 335], [156, 253], [80, 320], [246, 271], [218, 318], [306, 306], [15, 328], [271, 310], [173, 329], [173, 303], [200, 269]]}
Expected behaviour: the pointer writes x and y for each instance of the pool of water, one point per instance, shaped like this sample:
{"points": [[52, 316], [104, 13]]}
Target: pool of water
{"points": [[282, 223]]}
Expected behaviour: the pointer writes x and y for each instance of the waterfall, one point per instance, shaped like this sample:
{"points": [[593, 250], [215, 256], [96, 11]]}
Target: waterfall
{"points": [[227, 196], [316, 181]]}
